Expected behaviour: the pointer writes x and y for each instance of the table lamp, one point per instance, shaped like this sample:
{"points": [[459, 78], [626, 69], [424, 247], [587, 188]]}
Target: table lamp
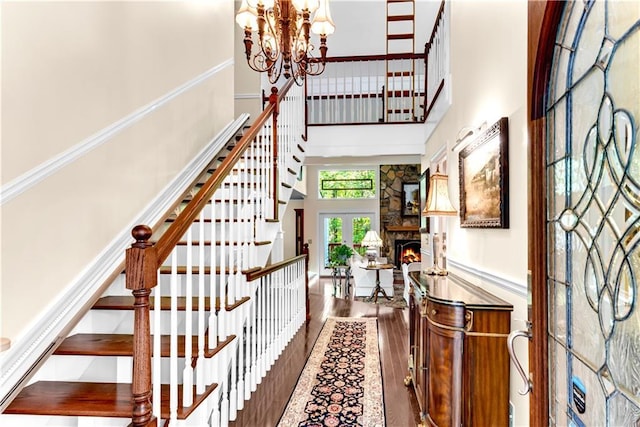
{"points": [[372, 241], [438, 205]]}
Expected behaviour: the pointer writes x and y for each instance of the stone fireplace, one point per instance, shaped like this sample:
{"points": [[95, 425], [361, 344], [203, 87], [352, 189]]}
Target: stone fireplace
{"points": [[406, 251]]}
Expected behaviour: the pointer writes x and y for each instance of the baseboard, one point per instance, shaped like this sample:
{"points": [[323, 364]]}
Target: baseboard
{"points": [[17, 363], [519, 289]]}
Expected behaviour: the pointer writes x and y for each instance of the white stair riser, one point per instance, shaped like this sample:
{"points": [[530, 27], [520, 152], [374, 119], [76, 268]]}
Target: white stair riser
{"points": [[164, 283], [121, 322], [240, 230], [235, 254], [104, 368]]}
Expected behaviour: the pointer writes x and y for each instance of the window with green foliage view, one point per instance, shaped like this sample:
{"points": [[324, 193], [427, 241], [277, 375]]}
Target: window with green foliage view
{"points": [[347, 184]]}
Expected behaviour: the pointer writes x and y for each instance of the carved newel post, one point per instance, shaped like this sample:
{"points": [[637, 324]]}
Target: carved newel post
{"points": [[141, 269]]}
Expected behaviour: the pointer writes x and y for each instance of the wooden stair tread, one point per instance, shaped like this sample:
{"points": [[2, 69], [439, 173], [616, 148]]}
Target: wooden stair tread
{"points": [[404, 36], [122, 345], [73, 399], [125, 302], [285, 185], [399, 93], [400, 74], [396, 18], [90, 399]]}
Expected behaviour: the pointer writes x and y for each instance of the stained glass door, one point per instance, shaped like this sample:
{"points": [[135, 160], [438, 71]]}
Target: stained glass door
{"points": [[593, 216]]}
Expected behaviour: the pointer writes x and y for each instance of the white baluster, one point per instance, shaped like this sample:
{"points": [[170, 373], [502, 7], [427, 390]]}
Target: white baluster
{"points": [[215, 414], [173, 357], [222, 313], [231, 285], [213, 283], [224, 405], [187, 374], [200, 371], [233, 393]]}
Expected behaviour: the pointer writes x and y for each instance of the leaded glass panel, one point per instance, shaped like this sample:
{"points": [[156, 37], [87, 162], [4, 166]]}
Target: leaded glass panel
{"points": [[593, 173]]}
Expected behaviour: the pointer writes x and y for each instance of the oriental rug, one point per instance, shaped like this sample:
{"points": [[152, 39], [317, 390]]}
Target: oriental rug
{"points": [[341, 383], [396, 300]]}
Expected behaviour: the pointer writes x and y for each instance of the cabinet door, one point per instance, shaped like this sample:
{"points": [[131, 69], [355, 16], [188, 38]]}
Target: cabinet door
{"points": [[444, 387], [417, 349]]}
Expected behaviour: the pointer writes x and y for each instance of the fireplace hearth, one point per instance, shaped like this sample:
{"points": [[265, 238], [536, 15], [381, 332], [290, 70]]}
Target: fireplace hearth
{"points": [[406, 251]]}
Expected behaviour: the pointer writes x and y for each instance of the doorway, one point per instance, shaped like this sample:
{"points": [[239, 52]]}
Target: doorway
{"points": [[342, 228], [585, 196]]}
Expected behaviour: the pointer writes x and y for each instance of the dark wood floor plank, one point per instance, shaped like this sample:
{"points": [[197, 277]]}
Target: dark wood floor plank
{"points": [[270, 399]]}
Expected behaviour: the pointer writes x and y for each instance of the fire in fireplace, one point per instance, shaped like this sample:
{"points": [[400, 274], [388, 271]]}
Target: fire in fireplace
{"points": [[406, 251]]}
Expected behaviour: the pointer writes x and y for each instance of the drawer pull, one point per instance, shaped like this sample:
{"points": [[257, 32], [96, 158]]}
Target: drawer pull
{"points": [[434, 312]]}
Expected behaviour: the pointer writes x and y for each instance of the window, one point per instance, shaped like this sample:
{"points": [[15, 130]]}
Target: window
{"points": [[347, 184]]}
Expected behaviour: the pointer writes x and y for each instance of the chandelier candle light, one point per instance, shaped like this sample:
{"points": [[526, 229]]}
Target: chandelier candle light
{"points": [[438, 205], [372, 241], [283, 27]]}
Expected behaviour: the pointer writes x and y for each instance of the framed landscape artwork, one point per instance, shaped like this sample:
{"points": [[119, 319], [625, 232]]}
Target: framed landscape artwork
{"points": [[484, 179], [410, 199], [424, 190]]}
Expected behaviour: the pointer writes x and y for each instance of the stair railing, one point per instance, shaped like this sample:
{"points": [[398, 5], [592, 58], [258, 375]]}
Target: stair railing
{"points": [[436, 59], [206, 279], [351, 90]]}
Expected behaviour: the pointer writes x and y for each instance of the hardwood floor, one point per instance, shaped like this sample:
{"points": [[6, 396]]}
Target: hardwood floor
{"points": [[401, 408]]}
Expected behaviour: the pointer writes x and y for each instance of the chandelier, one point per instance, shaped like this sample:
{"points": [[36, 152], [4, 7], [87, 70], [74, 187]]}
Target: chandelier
{"points": [[283, 28]]}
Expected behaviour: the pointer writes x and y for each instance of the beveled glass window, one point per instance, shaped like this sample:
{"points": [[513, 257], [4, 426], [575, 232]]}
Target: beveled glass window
{"points": [[593, 181]]}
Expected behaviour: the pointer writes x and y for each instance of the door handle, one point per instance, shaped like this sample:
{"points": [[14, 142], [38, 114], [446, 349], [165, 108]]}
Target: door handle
{"points": [[528, 385]]}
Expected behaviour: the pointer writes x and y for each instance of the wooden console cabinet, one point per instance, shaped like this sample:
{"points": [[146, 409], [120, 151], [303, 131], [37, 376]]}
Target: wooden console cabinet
{"points": [[458, 359]]}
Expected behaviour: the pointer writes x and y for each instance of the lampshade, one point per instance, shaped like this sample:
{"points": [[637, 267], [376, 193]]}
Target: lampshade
{"points": [[438, 203], [247, 16], [371, 239], [311, 5], [322, 22]]}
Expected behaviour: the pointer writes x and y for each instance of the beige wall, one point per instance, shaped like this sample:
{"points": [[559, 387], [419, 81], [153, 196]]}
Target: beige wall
{"points": [[247, 82], [488, 68], [70, 69]]}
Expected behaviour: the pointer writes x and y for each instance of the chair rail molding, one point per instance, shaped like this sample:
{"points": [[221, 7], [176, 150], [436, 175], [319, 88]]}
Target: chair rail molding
{"points": [[22, 183], [247, 96], [17, 363], [519, 289]]}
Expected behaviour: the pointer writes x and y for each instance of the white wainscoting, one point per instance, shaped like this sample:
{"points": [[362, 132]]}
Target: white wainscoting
{"points": [[519, 289]]}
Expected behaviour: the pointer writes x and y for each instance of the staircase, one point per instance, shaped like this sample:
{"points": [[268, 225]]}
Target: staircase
{"points": [[400, 75], [206, 319]]}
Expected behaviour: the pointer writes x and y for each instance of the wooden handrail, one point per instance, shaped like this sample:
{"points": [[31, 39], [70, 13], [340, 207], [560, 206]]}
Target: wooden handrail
{"points": [[435, 28], [257, 274], [379, 57], [179, 227]]}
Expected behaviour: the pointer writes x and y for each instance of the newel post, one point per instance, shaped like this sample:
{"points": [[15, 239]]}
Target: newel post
{"points": [[273, 100], [141, 276]]}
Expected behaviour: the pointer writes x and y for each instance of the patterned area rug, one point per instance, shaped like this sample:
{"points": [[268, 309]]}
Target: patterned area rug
{"points": [[396, 301], [341, 384]]}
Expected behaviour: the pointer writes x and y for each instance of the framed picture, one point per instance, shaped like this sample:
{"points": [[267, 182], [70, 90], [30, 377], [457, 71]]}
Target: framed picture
{"points": [[410, 199], [484, 179], [424, 190]]}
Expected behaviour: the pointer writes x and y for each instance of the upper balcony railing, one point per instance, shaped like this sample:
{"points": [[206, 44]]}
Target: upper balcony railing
{"points": [[394, 88], [355, 89], [437, 63]]}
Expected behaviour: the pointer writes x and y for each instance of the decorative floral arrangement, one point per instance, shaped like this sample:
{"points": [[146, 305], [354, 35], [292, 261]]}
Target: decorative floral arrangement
{"points": [[339, 255]]}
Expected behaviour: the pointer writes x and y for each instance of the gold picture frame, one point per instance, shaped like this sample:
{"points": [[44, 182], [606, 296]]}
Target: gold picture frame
{"points": [[484, 179]]}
